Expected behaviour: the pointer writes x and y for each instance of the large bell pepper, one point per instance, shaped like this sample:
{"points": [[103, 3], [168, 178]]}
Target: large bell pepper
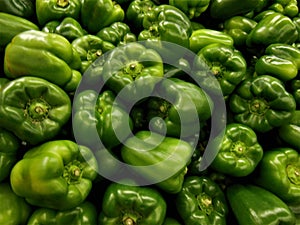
{"points": [[24, 8], [253, 205], [160, 160], [33, 109], [239, 152], [124, 204], [60, 61], [56, 174], [201, 201], [262, 103], [83, 214], [14, 209], [192, 9]]}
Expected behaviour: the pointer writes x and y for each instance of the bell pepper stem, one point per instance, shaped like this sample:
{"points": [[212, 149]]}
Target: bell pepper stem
{"points": [[62, 3]]}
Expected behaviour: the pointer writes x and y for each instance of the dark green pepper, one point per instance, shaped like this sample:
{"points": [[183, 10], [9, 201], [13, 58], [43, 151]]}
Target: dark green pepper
{"points": [[23, 8], [124, 204], [201, 201], [170, 221], [192, 9], [56, 174], [286, 7], [33, 109]]}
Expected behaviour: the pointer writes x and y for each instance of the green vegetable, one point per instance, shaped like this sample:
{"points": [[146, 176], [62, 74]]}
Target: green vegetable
{"points": [[286, 7], [24, 8], [170, 221], [201, 201], [84, 214], [28, 50], [192, 9], [253, 205], [33, 109], [56, 174], [14, 209], [48, 10], [124, 204], [262, 103], [158, 159]]}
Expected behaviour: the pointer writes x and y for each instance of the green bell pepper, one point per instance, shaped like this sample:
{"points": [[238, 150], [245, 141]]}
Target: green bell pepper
{"points": [[223, 62], [161, 160], [193, 9], [279, 172], [124, 204], [262, 103], [83, 214], [97, 14], [203, 37], [171, 221], [118, 33], [104, 115], [12, 25], [201, 201], [24, 8], [239, 152], [3, 82], [56, 174], [68, 27], [294, 88], [9, 146], [33, 109], [14, 209], [89, 48], [253, 205], [28, 50], [190, 105], [286, 7], [48, 10]]}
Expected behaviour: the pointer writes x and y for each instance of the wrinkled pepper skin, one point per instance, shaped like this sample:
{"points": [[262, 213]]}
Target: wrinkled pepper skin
{"points": [[14, 209], [101, 112], [239, 152], [97, 14], [9, 146], [83, 214], [201, 201], [279, 172], [192, 9], [60, 61], [124, 204], [24, 8], [167, 156], [262, 103], [62, 173], [48, 10], [33, 109], [253, 205]]}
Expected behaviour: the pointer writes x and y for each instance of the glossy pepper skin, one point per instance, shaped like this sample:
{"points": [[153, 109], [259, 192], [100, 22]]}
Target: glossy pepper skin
{"points": [[288, 8], [24, 8], [14, 209], [103, 113], [192, 9], [9, 146], [62, 172], [201, 201], [60, 61], [262, 103], [239, 152], [253, 205], [97, 14], [161, 160], [124, 204], [33, 109], [57, 10], [83, 214]]}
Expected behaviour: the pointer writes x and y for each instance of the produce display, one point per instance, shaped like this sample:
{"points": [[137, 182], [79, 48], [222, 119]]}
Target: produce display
{"points": [[161, 112]]}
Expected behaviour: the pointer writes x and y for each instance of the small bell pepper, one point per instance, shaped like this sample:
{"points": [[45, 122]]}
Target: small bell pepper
{"points": [[89, 48], [193, 9], [60, 61], [33, 109], [48, 10], [56, 174], [9, 146], [125, 204], [253, 205], [160, 160], [171, 221], [201, 201], [262, 103], [14, 209], [239, 152], [286, 7], [84, 214], [24, 8], [97, 14], [102, 114]]}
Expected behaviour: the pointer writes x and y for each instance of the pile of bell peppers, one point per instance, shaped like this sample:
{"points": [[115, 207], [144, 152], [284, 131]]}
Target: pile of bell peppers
{"points": [[62, 145]]}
